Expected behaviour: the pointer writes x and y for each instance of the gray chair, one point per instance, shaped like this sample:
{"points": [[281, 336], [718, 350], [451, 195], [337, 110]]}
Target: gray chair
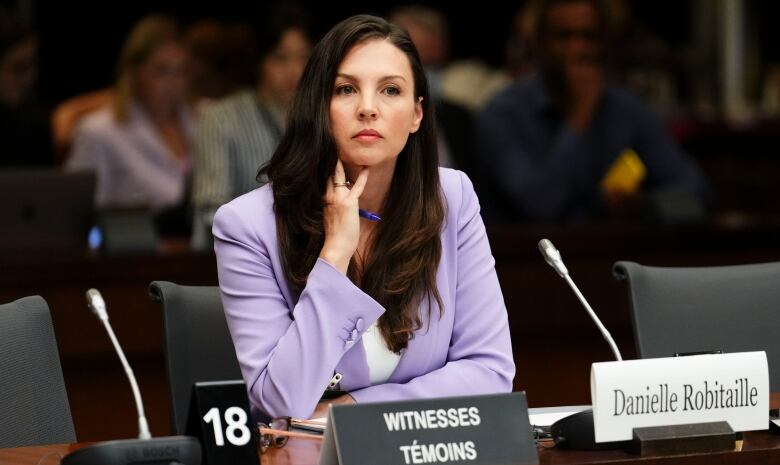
{"points": [[198, 346], [34, 407], [728, 308]]}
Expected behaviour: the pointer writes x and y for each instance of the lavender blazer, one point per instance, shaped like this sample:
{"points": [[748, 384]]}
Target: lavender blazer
{"points": [[289, 347]]}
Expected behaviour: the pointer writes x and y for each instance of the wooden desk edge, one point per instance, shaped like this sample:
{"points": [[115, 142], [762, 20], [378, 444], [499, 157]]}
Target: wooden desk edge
{"points": [[304, 452]]}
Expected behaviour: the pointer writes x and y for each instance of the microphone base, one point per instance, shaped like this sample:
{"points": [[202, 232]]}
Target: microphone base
{"points": [[163, 450], [576, 432]]}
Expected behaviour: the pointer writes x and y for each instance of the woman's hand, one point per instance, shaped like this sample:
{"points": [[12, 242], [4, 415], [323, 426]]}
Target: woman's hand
{"points": [[341, 219], [322, 407]]}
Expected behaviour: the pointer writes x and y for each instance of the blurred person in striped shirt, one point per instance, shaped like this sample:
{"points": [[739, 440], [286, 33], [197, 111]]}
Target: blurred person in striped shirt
{"points": [[239, 133]]}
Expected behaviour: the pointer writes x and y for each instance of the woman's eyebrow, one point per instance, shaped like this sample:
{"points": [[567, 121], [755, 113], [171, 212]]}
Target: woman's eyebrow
{"points": [[350, 77]]}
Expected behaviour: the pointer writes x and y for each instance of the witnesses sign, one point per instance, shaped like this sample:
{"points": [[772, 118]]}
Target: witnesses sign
{"points": [[479, 430]]}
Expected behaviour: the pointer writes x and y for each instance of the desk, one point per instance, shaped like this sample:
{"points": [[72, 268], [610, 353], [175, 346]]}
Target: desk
{"points": [[553, 339], [758, 448]]}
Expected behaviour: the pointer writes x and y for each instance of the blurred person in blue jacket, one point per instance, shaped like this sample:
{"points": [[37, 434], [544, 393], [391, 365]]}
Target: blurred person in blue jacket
{"points": [[566, 144]]}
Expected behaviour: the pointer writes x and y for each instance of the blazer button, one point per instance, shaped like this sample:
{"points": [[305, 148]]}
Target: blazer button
{"points": [[359, 324]]}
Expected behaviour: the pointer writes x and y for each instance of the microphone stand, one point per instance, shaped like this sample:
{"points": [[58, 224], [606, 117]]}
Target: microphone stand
{"points": [[576, 431], [183, 450], [553, 258]]}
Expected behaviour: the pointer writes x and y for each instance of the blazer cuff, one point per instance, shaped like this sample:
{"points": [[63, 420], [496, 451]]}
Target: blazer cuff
{"points": [[352, 312]]}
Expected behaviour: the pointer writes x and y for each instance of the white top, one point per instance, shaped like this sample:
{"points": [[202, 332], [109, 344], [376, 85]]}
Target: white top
{"points": [[133, 164], [381, 360]]}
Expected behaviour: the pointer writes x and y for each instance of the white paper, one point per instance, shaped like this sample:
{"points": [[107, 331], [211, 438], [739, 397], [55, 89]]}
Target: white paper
{"points": [[679, 390], [546, 416], [312, 424]]}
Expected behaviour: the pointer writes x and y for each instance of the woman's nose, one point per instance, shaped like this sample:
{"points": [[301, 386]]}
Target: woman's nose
{"points": [[367, 109]]}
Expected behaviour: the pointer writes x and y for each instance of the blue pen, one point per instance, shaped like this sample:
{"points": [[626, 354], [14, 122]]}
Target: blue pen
{"points": [[371, 216]]}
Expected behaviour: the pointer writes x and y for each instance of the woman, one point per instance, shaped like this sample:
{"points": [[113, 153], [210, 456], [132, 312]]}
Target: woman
{"points": [[140, 146], [314, 293], [240, 132]]}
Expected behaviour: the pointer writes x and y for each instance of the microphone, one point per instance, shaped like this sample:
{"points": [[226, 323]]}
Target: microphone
{"points": [[98, 306], [553, 258], [576, 431], [145, 449]]}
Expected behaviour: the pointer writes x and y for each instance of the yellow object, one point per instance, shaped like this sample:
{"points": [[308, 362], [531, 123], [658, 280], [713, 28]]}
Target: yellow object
{"points": [[625, 175]]}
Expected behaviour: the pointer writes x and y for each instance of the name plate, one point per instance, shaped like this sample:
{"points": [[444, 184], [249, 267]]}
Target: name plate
{"points": [[679, 390], [483, 430]]}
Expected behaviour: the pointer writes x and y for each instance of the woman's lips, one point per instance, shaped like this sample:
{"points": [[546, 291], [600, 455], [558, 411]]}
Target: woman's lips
{"points": [[367, 135]]}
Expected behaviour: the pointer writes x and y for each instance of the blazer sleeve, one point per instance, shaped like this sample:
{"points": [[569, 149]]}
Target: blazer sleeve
{"points": [[480, 358], [287, 357]]}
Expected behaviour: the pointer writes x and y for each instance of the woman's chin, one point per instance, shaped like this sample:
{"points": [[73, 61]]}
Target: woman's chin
{"points": [[366, 159]]}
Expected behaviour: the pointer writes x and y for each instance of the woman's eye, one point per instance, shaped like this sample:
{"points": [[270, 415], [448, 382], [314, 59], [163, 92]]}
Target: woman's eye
{"points": [[392, 90], [345, 90]]}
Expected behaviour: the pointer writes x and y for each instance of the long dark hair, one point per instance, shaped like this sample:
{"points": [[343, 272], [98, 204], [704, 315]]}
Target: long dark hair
{"points": [[401, 271]]}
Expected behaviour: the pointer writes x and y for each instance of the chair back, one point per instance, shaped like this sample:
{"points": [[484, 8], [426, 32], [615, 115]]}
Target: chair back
{"points": [[33, 400], [198, 346], [726, 308]]}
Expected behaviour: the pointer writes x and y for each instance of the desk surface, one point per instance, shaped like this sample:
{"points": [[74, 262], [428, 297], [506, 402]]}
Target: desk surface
{"points": [[758, 448]]}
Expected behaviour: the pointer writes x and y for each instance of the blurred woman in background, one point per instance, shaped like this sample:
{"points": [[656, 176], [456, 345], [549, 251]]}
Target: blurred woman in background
{"points": [[139, 147]]}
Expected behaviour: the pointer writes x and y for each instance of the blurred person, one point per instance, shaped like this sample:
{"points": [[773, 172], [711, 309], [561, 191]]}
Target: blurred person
{"points": [[24, 125], [66, 116], [567, 144], [221, 57], [472, 83], [139, 146], [429, 31], [464, 83], [239, 133], [519, 55]]}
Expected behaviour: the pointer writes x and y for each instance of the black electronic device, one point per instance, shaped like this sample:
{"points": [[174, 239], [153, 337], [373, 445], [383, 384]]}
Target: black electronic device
{"points": [[576, 432]]}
